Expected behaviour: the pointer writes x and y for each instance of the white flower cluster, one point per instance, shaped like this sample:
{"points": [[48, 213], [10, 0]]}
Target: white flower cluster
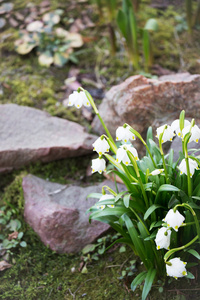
{"points": [[175, 267], [168, 134], [170, 130], [101, 146], [125, 135], [78, 99]]}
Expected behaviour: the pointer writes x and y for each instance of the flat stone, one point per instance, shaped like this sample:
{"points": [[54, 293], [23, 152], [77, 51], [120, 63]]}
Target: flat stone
{"points": [[57, 213], [143, 102], [28, 135]]}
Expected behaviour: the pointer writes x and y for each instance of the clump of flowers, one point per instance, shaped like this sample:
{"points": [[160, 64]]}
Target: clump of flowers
{"points": [[53, 45], [158, 212]]}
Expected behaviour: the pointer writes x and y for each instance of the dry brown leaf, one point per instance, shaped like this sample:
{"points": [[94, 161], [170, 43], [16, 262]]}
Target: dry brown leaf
{"points": [[13, 22], [13, 235], [4, 265]]}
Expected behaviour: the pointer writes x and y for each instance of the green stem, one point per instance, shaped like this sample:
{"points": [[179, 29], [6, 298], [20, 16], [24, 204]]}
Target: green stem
{"points": [[163, 159], [193, 214], [188, 171], [170, 252], [133, 161], [142, 140], [97, 113]]}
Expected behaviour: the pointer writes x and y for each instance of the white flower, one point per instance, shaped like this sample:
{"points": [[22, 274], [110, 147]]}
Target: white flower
{"points": [[98, 165], [162, 239], [156, 172], [195, 131], [124, 134], [176, 126], [101, 146], [177, 268], [78, 99], [192, 165], [122, 155], [167, 135], [105, 197], [174, 219]]}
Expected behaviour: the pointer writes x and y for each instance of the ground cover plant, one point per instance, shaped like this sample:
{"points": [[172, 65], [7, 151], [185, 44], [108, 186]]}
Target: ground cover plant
{"points": [[35, 272]]}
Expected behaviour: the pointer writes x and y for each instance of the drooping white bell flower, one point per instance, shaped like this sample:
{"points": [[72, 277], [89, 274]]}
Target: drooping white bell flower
{"points": [[177, 268], [101, 146], [162, 239], [195, 133], [176, 126], [78, 99], [105, 197], [192, 165], [167, 135], [156, 172], [124, 134], [98, 165], [174, 219], [122, 155]]}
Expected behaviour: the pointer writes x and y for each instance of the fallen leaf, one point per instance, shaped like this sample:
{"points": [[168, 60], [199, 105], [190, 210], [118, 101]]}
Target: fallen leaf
{"points": [[6, 7], [35, 26], [25, 45], [13, 22], [19, 16], [4, 265], [76, 40], [45, 3], [45, 59], [2, 22], [13, 235]]}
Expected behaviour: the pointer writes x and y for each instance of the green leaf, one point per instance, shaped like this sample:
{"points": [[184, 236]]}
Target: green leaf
{"points": [[150, 210], [14, 225], [148, 283], [119, 196], [137, 242], [88, 248], [60, 59], [94, 195], [122, 23], [122, 249], [166, 188], [190, 275], [20, 235], [138, 280], [173, 201], [23, 244], [126, 200], [196, 198], [194, 253], [155, 224]]}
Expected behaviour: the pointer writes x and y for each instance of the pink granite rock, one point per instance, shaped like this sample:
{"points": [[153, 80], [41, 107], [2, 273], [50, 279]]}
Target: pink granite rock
{"points": [[143, 102], [28, 135], [58, 213]]}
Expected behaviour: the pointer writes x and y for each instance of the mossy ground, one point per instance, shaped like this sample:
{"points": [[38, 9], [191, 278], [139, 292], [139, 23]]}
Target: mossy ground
{"points": [[37, 272]]}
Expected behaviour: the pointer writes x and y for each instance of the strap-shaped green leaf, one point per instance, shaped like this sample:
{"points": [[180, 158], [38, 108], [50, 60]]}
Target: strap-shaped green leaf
{"points": [[138, 280], [148, 283], [194, 253], [151, 209], [122, 23]]}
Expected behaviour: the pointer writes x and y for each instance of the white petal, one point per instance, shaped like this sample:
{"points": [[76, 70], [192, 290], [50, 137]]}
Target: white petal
{"points": [[162, 239], [174, 219], [177, 268], [98, 165]]}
